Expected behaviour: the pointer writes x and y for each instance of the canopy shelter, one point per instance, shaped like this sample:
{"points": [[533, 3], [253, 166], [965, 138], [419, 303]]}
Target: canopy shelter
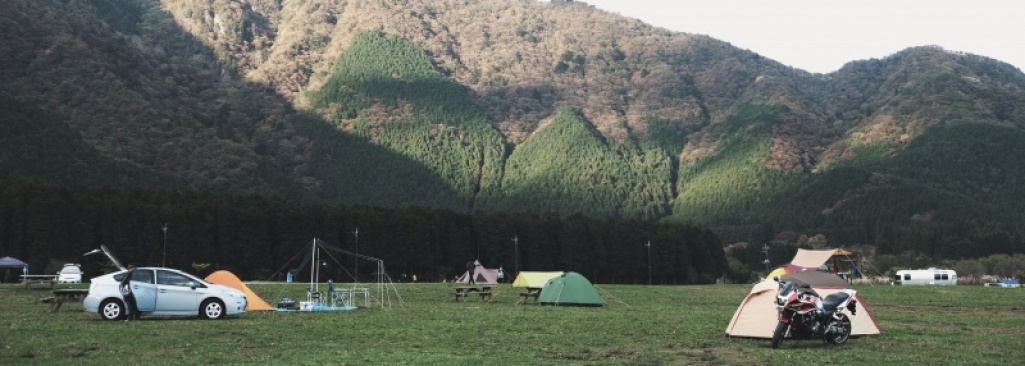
{"points": [[7, 263], [534, 279], [483, 276], [757, 315], [569, 289], [11, 262], [254, 302], [811, 260], [313, 255]]}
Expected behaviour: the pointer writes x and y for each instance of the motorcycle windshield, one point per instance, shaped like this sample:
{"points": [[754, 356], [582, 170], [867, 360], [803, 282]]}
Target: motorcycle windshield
{"points": [[787, 288]]}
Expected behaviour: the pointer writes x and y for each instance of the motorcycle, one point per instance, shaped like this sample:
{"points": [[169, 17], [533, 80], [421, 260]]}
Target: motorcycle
{"points": [[803, 314]]}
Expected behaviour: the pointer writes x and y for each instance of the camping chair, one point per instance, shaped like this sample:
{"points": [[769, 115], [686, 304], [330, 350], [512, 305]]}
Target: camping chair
{"points": [[313, 296], [339, 298]]}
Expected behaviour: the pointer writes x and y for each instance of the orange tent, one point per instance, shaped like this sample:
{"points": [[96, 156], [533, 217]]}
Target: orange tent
{"points": [[231, 280]]}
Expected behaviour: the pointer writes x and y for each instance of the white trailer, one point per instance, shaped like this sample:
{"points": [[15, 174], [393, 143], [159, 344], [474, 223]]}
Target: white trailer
{"points": [[931, 276]]}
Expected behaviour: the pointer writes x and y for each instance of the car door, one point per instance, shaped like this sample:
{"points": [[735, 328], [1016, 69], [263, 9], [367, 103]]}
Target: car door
{"points": [[177, 292], [144, 289]]}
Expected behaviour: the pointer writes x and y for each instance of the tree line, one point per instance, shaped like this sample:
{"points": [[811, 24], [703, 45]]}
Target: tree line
{"points": [[259, 237]]}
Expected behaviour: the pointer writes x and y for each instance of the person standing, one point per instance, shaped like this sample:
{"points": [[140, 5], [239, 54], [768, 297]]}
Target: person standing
{"points": [[501, 275], [471, 268], [131, 307]]}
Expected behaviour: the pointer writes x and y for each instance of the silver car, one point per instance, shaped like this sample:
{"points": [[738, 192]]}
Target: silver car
{"points": [[71, 273], [163, 291]]}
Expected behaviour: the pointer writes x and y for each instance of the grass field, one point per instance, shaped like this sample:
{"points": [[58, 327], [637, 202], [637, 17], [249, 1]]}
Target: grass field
{"points": [[642, 325]]}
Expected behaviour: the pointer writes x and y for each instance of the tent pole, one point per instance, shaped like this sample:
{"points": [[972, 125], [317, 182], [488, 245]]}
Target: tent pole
{"points": [[313, 267]]}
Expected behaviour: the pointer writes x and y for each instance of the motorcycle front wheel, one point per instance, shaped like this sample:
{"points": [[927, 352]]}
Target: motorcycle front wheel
{"points": [[779, 333], [844, 326]]}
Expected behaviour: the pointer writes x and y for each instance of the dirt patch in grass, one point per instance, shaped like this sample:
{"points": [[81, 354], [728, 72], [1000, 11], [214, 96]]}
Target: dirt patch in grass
{"points": [[955, 327], [678, 356], [945, 310], [712, 356]]}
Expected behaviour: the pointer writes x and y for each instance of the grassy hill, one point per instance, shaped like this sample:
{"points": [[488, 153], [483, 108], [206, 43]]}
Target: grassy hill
{"points": [[431, 121], [568, 168]]}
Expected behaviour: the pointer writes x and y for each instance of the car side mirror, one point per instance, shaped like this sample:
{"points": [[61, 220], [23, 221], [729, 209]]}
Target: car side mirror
{"points": [[192, 285], [775, 278]]}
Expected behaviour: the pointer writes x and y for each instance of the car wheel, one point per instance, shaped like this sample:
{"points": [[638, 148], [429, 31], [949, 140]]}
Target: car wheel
{"points": [[112, 309], [212, 309]]}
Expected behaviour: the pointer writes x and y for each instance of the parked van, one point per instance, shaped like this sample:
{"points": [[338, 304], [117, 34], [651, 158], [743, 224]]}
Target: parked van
{"points": [[931, 276], [71, 273]]}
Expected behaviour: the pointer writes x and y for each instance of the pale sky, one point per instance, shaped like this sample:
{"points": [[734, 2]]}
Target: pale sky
{"points": [[822, 35]]}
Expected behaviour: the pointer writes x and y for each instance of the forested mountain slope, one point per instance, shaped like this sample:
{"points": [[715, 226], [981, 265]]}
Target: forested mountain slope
{"points": [[522, 106]]}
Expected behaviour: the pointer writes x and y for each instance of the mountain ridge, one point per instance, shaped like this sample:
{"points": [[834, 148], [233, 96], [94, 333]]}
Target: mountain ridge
{"points": [[223, 95]]}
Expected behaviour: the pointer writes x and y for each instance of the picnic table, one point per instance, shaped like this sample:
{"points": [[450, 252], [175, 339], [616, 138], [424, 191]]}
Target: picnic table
{"points": [[65, 294], [530, 293], [484, 291], [45, 279]]}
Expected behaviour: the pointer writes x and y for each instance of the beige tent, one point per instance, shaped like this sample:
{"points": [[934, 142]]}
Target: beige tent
{"points": [[255, 303], [757, 315], [484, 276], [534, 279]]}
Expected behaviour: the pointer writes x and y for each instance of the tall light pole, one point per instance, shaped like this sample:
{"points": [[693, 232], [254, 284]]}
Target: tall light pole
{"points": [[355, 275], [516, 252], [765, 249], [163, 261], [648, 245]]}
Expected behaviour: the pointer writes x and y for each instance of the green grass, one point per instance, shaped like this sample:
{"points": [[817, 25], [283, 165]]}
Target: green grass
{"points": [[662, 325]]}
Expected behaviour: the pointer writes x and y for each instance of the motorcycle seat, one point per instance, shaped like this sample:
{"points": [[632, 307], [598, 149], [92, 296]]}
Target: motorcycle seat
{"points": [[832, 301]]}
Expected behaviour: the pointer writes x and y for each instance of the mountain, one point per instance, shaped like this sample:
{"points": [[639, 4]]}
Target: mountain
{"points": [[519, 106], [38, 147]]}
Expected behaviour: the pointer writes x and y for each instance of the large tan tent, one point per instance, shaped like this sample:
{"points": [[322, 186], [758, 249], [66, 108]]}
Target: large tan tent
{"points": [[757, 315], [255, 303]]}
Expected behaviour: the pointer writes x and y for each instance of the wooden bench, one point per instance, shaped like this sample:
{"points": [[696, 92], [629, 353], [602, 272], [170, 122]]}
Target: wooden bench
{"points": [[484, 292], [62, 295], [531, 294], [43, 279]]}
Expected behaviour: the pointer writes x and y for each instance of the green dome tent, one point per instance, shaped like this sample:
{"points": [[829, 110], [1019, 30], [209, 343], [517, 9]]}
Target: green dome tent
{"points": [[569, 289]]}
